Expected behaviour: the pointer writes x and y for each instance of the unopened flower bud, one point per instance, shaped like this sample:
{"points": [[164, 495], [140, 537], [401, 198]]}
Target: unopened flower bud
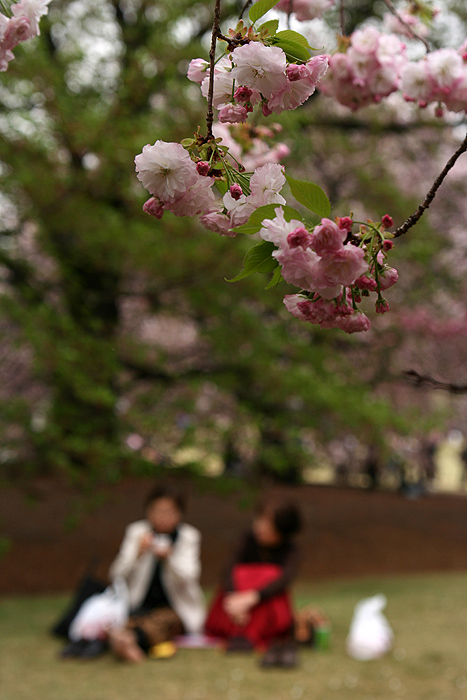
{"points": [[387, 246], [154, 207], [203, 167], [236, 191], [364, 282], [242, 94], [345, 223], [382, 306], [439, 112], [387, 221]]}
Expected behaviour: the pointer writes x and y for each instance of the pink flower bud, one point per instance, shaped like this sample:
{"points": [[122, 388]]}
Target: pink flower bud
{"points": [[203, 167], [232, 114], [388, 277], [299, 237], [439, 112], [154, 207], [387, 246], [365, 282], [236, 191], [382, 306], [265, 110], [345, 223], [242, 94], [387, 221]]}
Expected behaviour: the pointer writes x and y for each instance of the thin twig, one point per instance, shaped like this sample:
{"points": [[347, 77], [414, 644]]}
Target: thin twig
{"points": [[413, 34], [245, 7], [425, 380], [212, 61], [413, 218], [342, 16]]}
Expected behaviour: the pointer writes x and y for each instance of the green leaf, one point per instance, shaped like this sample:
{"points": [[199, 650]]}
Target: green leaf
{"points": [[270, 26], [294, 51], [221, 186], [290, 35], [260, 8], [310, 195], [258, 259], [276, 278], [255, 221]]}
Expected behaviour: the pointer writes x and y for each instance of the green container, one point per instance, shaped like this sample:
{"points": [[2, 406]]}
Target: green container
{"points": [[322, 637]]}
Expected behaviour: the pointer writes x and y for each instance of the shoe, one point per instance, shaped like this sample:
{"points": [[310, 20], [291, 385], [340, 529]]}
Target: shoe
{"points": [[271, 657], [280, 656], [288, 656], [73, 650], [241, 644], [93, 649]]}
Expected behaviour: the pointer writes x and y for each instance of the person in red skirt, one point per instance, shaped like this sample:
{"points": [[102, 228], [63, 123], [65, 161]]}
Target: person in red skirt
{"points": [[253, 608]]}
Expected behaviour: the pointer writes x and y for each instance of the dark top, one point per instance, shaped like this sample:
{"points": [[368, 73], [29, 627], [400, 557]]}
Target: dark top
{"points": [[156, 597], [250, 551]]}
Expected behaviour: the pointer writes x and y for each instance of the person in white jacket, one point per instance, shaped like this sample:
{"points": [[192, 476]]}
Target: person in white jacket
{"points": [[160, 560]]}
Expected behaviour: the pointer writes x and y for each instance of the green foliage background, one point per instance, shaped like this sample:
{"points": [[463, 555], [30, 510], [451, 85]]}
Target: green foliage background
{"points": [[70, 134]]}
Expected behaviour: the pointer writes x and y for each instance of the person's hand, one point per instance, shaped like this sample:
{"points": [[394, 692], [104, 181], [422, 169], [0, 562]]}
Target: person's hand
{"points": [[239, 604], [162, 552], [146, 543]]}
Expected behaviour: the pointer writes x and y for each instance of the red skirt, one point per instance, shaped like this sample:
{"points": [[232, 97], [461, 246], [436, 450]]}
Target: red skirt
{"points": [[269, 619]]}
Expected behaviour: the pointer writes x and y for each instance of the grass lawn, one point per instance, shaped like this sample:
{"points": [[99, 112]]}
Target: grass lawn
{"points": [[428, 615]]}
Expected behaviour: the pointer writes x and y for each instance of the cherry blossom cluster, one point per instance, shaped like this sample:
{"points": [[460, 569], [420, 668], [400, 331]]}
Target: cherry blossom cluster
{"points": [[305, 9], [332, 271], [441, 76], [368, 70], [255, 74], [23, 24], [185, 186]]}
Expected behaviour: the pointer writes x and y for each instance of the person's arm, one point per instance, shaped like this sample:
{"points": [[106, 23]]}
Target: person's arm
{"points": [[280, 584], [130, 550], [184, 560], [236, 557]]}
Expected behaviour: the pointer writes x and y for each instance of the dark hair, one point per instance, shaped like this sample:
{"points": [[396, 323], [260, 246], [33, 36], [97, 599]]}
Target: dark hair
{"points": [[285, 515], [166, 490]]}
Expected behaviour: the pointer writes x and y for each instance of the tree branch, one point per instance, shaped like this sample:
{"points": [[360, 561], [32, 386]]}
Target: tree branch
{"points": [[413, 218], [420, 380], [342, 16], [212, 62], [413, 34], [244, 9]]}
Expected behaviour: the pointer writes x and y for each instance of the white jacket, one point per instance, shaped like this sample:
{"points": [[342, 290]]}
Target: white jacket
{"points": [[180, 572]]}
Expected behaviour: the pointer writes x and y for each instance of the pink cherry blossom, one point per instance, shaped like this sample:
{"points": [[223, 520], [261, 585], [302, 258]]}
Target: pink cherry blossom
{"points": [[197, 70], [278, 229], [166, 170], [198, 199], [328, 237], [354, 323], [266, 183], [32, 10], [218, 222], [232, 114], [343, 266], [17, 30], [299, 237], [260, 67]]}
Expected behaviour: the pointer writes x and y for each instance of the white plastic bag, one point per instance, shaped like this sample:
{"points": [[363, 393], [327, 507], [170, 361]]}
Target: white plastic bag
{"points": [[370, 635], [101, 612]]}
